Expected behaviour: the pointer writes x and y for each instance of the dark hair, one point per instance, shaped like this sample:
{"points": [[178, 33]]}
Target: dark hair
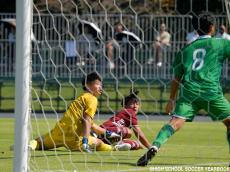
{"points": [[90, 78], [119, 24], [203, 22], [132, 96]]}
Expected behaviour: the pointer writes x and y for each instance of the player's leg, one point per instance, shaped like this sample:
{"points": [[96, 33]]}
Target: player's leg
{"points": [[227, 124], [53, 139], [158, 50], [125, 132], [45, 142], [110, 46], [168, 130], [183, 111], [99, 145], [219, 109], [134, 145], [163, 135]]}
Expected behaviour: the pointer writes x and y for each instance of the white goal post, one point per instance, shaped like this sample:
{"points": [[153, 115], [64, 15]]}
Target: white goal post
{"points": [[22, 82]]}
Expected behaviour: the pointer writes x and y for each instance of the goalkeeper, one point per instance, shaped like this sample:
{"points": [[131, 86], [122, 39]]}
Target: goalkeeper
{"points": [[73, 129]]}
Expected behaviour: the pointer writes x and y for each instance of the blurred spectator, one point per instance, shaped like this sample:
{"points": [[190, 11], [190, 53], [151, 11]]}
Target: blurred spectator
{"points": [[118, 28], [70, 48], [161, 43], [12, 35], [87, 44], [223, 33], [191, 36]]}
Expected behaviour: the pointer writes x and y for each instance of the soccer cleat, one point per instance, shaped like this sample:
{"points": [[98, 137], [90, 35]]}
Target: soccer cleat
{"points": [[144, 160], [122, 147], [33, 145]]}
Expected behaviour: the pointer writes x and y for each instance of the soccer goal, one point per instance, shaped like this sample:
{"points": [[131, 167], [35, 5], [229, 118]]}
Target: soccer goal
{"points": [[60, 42]]}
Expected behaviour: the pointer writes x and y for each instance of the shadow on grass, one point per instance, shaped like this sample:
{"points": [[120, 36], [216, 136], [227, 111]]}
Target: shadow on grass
{"points": [[105, 162], [8, 157], [120, 157]]}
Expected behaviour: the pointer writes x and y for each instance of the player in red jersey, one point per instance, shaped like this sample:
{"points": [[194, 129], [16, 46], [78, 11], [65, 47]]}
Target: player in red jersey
{"points": [[125, 120]]}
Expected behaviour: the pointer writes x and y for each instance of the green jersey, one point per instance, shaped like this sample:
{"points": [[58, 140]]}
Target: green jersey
{"points": [[199, 66]]}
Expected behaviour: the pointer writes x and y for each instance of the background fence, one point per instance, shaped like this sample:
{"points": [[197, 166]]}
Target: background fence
{"points": [[52, 33], [53, 63]]}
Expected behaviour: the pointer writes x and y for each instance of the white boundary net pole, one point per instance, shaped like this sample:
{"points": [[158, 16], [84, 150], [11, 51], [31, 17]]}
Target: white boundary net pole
{"points": [[22, 84]]}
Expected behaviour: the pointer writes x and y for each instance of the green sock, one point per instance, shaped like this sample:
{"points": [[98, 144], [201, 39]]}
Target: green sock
{"points": [[228, 138], [166, 131]]}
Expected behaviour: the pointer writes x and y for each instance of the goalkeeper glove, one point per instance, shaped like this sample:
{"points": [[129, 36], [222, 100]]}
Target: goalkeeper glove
{"points": [[85, 145]]}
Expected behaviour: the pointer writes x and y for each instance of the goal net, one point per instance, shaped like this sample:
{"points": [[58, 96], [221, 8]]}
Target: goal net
{"points": [[121, 42], [227, 4]]}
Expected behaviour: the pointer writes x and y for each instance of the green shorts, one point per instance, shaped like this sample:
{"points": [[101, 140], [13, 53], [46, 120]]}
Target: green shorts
{"points": [[217, 109]]}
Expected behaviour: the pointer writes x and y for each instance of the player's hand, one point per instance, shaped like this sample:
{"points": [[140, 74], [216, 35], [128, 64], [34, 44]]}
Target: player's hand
{"points": [[110, 134], [85, 145], [170, 106]]}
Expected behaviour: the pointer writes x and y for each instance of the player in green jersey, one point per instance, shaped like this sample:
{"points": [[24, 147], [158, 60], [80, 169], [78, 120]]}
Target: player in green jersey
{"points": [[197, 71]]}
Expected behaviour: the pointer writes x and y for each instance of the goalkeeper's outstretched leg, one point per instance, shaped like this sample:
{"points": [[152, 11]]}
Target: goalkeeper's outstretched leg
{"points": [[48, 141]]}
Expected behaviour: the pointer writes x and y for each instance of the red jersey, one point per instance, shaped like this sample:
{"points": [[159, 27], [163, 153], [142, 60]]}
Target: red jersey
{"points": [[124, 118]]}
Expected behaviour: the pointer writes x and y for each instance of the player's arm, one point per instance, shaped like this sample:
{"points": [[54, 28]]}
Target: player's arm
{"points": [[173, 94], [178, 73], [141, 137], [97, 129], [86, 125], [88, 115], [86, 132], [174, 88]]}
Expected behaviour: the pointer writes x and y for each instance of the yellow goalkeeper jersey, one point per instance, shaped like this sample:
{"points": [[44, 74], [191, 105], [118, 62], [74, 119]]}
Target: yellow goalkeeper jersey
{"points": [[71, 123]]}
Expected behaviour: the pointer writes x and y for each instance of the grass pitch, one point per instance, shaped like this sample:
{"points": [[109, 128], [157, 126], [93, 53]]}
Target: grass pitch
{"points": [[197, 144]]}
